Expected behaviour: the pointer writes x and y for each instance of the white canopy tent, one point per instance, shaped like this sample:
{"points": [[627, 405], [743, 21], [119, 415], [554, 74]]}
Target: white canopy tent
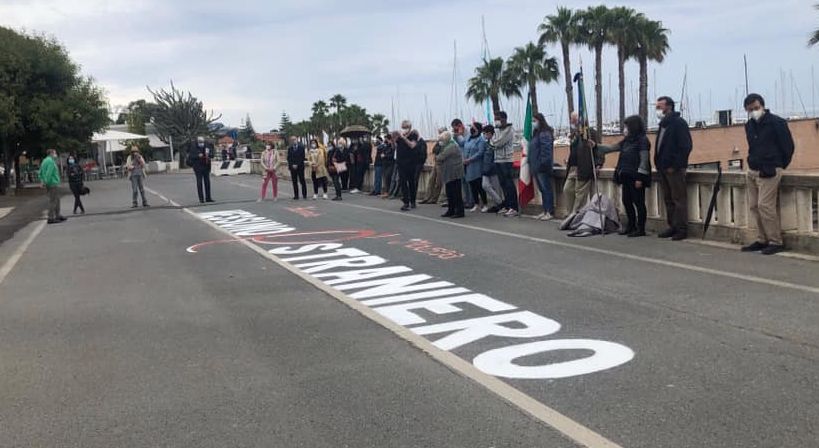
{"points": [[111, 141]]}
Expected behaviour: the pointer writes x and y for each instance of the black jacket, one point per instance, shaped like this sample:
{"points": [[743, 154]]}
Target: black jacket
{"points": [[421, 151], [634, 163], [770, 144], [200, 163], [296, 156], [405, 156], [676, 145]]}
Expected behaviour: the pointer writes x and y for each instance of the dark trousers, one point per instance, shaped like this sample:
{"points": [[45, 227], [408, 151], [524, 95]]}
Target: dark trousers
{"points": [[409, 184], [345, 177], [389, 169], [478, 193], [203, 182], [337, 184], [506, 177], [76, 190], [675, 195], [634, 202], [297, 176], [454, 198], [318, 182], [360, 172]]}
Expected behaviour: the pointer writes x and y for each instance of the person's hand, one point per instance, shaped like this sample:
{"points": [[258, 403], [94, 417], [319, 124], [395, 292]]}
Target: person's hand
{"points": [[466, 162], [295, 167], [201, 156], [638, 184], [669, 170]]}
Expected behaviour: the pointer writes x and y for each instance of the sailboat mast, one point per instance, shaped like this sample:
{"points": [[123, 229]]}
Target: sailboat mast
{"points": [[745, 58]]}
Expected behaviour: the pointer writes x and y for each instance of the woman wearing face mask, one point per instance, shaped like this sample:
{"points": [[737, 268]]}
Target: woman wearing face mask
{"points": [[75, 182], [540, 156], [345, 155], [452, 172], [270, 161], [633, 173], [335, 160], [474, 149], [318, 167]]}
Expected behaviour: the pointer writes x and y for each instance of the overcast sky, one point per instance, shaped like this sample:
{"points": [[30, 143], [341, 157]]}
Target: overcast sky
{"points": [[396, 58]]}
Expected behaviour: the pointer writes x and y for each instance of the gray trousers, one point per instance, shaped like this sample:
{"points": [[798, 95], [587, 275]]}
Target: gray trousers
{"points": [[137, 186], [53, 203], [491, 185]]}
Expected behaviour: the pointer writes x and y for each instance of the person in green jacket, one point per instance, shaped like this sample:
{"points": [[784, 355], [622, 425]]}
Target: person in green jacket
{"points": [[50, 177]]}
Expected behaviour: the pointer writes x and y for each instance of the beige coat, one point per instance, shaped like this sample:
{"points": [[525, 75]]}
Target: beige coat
{"points": [[274, 161], [318, 161]]}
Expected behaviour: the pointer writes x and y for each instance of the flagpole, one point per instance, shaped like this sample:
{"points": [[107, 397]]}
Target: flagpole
{"points": [[585, 133]]}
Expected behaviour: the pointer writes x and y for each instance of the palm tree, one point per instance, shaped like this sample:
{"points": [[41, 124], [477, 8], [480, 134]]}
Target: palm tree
{"points": [[595, 25], [530, 64], [492, 80], [379, 124], [339, 102], [319, 117], [652, 44], [624, 36], [814, 37], [562, 28]]}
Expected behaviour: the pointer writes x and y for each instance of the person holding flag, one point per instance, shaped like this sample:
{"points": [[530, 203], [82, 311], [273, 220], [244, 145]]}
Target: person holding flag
{"points": [[540, 160]]}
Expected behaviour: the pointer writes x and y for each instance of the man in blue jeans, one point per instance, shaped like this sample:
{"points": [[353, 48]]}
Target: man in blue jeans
{"points": [[503, 144]]}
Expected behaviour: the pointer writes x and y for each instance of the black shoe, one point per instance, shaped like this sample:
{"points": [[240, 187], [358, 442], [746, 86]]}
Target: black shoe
{"points": [[493, 210], [209, 200], [458, 215], [337, 198], [627, 231], [755, 247], [145, 205], [679, 236], [295, 198], [444, 205], [53, 221], [405, 208], [446, 215], [637, 233], [134, 206], [413, 205], [201, 201], [773, 249], [62, 218], [668, 233]]}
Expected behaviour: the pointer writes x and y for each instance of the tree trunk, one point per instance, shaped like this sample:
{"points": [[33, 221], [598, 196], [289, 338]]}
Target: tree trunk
{"points": [[621, 62], [644, 88], [495, 104], [598, 90], [533, 96], [567, 71]]}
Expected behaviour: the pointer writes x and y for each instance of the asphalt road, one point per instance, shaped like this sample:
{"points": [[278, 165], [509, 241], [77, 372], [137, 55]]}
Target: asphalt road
{"points": [[114, 334]]}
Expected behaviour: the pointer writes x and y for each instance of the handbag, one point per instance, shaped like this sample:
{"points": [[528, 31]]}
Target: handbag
{"points": [[341, 167]]}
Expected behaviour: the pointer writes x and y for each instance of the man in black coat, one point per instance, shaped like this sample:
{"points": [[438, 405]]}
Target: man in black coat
{"points": [[199, 158], [770, 150], [407, 161], [296, 157], [673, 146]]}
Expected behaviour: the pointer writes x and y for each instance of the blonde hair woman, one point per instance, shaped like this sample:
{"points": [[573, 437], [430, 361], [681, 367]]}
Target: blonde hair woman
{"points": [[317, 156]]}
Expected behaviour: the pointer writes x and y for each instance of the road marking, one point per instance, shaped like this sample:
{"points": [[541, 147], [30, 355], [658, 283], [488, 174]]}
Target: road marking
{"points": [[551, 417], [5, 211], [15, 257], [657, 261]]}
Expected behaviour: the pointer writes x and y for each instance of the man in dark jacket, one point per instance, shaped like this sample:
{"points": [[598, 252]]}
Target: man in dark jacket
{"points": [[770, 150], [580, 167], [296, 157], [387, 154], [199, 158], [406, 161], [671, 159]]}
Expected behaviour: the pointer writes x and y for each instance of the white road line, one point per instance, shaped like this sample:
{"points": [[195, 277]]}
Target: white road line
{"points": [[551, 417], [656, 261], [15, 257]]}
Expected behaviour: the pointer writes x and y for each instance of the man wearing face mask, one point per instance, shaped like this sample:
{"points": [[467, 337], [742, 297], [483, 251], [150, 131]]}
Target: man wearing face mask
{"points": [[770, 150], [580, 166], [671, 159], [296, 158], [407, 160], [199, 158], [503, 143], [460, 137]]}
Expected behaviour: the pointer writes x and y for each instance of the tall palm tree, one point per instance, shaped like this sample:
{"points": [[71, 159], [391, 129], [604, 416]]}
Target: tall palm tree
{"points": [[814, 37], [530, 64], [379, 124], [319, 117], [562, 28], [652, 45], [492, 80], [339, 102], [595, 25], [624, 36]]}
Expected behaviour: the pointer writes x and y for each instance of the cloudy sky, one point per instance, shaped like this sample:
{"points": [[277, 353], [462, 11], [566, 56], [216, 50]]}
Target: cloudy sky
{"points": [[263, 57]]}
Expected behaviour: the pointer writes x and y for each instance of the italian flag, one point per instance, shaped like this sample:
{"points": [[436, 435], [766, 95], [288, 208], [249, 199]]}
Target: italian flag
{"points": [[526, 186]]}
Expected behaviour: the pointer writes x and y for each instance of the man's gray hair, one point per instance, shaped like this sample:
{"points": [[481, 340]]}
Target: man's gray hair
{"points": [[406, 123]]}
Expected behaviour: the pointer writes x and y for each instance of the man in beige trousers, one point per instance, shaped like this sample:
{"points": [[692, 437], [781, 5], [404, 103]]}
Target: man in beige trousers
{"points": [[770, 150]]}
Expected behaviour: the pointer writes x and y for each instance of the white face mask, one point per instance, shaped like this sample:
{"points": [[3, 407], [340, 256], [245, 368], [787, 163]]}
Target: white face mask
{"points": [[201, 145], [497, 124], [71, 160], [660, 114], [625, 132], [757, 114], [534, 125], [313, 146]]}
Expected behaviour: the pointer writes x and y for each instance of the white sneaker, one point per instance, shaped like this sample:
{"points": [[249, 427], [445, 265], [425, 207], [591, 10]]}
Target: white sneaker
{"points": [[511, 213], [484, 209], [503, 211], [324, 196], [355, 190], [540, 216], [474, 209], [315, 196], [259, 200], [546, 217]]}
